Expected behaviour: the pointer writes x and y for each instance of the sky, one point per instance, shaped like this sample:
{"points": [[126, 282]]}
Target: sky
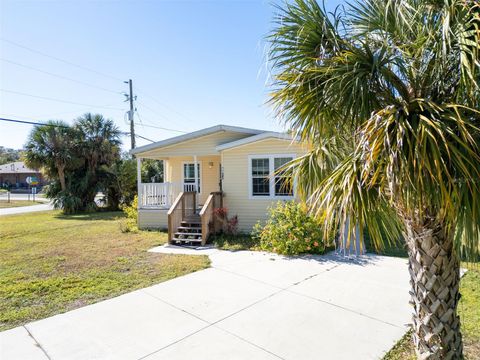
{"points": [[194, 64]]}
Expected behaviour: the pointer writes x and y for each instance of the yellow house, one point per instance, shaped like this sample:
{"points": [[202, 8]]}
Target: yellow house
{"points": [[218, 167]]}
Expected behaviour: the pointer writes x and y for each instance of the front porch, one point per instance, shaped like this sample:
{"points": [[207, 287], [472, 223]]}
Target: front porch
{"points": [[185, 202], [199, 174]]}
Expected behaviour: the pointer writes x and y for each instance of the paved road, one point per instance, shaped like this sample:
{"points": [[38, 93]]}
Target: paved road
{"points": [[247, 306], [26, 209], [38, 197]]}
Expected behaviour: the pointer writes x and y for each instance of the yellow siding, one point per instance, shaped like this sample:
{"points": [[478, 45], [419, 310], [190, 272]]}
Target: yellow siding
{"points": [[209, 177], [204, 145], [236, 178], [150, 218]]}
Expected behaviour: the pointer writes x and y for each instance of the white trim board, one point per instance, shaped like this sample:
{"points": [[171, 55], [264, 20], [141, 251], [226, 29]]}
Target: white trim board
{"points": [[259, 137]]}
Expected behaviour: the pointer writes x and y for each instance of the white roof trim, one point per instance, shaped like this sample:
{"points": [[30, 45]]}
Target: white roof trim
{"points": [[258, 137], [194, 135]]}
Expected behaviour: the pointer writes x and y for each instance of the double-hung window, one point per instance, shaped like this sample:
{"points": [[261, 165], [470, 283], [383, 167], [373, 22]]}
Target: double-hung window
{"points": [[266, 178], [260, 177]]}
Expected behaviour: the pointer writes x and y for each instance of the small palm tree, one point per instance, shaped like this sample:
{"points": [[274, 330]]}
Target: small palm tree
{"points": [[386, 92], [51, 147], [99, 147], [100, 139]]}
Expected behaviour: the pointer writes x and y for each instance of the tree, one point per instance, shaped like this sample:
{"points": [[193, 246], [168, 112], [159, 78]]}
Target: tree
{"points": [[122, 183], [99, 147], [386, 93], [77, 158], [152, 170], [8, 155], [52, 148]]}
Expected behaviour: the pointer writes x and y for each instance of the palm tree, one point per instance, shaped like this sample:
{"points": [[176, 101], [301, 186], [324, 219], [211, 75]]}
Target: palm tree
{"points": [[100, 140], [51, 147], [386, 92], [99, 146]]}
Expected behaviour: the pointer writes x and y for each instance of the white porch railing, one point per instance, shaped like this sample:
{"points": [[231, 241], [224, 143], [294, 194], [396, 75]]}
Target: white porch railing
{"points": [[161, 195], [189, 187]]}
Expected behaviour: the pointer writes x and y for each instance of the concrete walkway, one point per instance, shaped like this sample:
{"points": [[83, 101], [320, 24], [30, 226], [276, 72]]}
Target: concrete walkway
{"points": [[248, 305]]}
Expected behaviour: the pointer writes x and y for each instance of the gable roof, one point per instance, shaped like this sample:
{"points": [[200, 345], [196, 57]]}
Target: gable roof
{"points": [[194, 135], [258, 137], [17, 167]]}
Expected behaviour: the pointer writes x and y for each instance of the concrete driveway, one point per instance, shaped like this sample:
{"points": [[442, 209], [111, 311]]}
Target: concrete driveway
{"points": [[248, 305]]}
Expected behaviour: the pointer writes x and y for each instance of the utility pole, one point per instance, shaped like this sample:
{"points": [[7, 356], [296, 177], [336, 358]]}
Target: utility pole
{"points": [[131, 113]]}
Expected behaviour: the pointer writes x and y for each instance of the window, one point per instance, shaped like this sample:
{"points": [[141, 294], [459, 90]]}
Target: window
{"points": [[189, 176], [265, 181], [260, 180], [283, 183]]}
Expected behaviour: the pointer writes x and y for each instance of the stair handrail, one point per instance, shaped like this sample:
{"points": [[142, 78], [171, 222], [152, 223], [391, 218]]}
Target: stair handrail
{"points": [[174, 220], [207, 214]]}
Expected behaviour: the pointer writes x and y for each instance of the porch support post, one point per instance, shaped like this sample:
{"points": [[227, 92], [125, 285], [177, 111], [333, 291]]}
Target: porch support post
{"points": [[196, 172], [165, 175], [139, 182], [196, 183]]}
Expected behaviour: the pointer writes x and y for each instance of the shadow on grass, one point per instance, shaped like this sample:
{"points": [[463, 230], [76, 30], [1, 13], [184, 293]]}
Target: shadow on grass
{"points": [[85, 216], [397, 249]]}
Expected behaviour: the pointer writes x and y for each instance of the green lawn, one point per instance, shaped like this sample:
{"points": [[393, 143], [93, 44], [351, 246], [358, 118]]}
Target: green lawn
{"points": [[51, 263], [235, 243], [16, 203]]}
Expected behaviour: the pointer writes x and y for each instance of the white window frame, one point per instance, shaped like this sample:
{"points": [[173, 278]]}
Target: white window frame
{"points": [[271, 164], [200, 167]]}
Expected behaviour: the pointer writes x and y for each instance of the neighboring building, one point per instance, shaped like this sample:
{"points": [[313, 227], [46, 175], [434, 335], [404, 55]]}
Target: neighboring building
{"points": [[15, 175], [237, 162]]}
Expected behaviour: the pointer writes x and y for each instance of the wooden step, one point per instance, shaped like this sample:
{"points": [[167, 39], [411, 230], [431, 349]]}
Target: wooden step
{"points": [[187, 234], [189, 231], [189, 228], [194, 223], [187, 240]]}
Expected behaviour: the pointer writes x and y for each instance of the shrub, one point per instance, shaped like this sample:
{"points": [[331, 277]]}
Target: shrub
{"points": [[290, 230], [131, 212], [228, 226]]}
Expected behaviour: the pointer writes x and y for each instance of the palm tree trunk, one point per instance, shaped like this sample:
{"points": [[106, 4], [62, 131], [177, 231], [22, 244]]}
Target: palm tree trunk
{"points": [[61, 176], [434, 278]]}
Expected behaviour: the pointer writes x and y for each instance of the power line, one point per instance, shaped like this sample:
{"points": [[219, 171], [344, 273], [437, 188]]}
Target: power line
{"points": [[32, 122], [59, 76], [156, 126], [59, 59], [63, 126], [162, 128], [93, 71], [144, 138], [152, 110], [59, 100], [166, 106], [50, 115]]}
